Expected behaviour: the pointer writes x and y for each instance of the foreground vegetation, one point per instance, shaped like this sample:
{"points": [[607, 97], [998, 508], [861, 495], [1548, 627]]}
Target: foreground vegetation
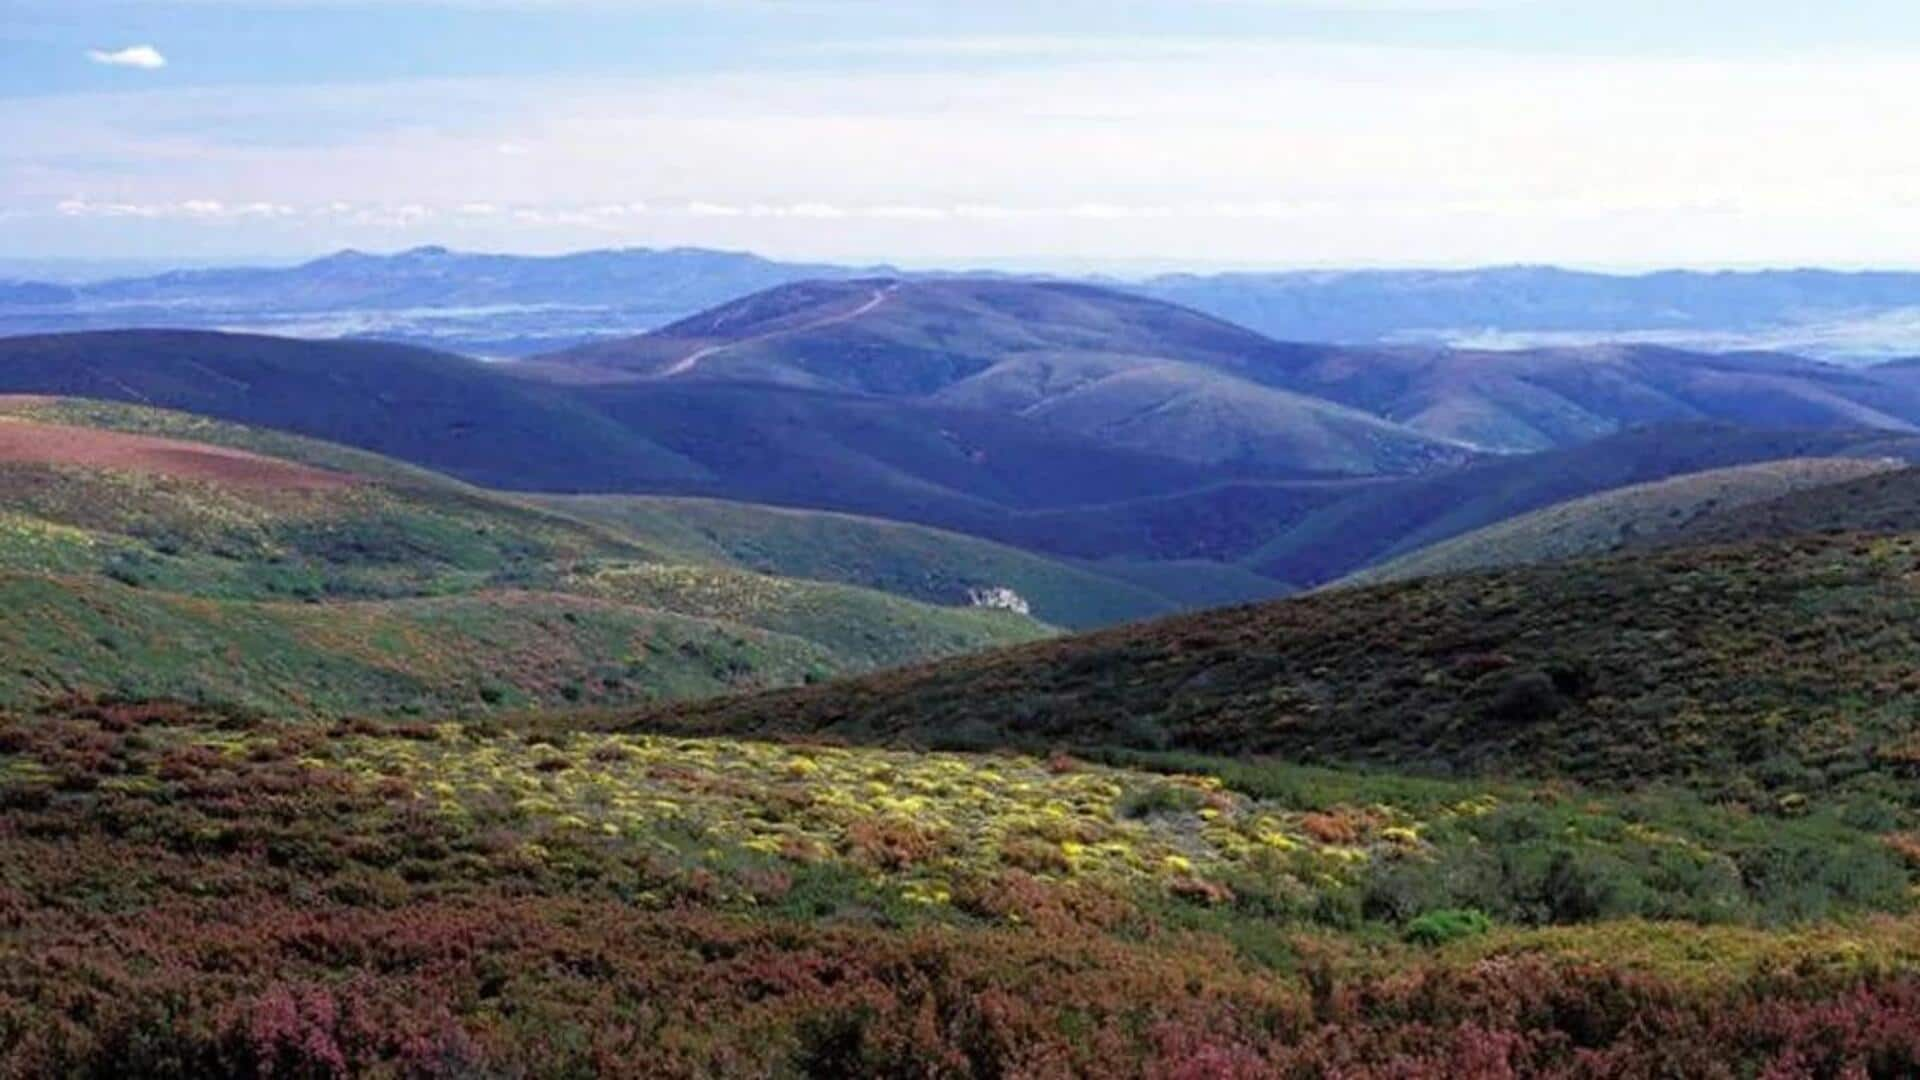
{"points": [[185, 893]]}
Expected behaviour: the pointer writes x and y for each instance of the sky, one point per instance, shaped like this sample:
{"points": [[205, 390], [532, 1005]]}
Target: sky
{"points": [[1623, 134]]}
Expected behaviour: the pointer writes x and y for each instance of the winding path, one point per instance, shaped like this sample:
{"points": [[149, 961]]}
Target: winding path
{"points": [[692, 359]]}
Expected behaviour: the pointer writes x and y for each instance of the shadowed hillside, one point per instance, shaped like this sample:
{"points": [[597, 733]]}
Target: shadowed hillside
{"points": [[1384, 520], [444, 412], [1750, 673], [1172, 380], [1542, 398], [913, 337], [1886, 502], [1638, 515], [1122, 369]]}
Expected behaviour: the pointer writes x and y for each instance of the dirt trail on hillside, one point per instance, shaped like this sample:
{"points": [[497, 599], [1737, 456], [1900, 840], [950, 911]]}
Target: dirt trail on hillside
{"points": [[691, 360]]}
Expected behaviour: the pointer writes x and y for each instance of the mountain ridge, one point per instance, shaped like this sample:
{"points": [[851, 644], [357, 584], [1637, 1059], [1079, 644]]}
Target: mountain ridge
{"points": [[1856, 316]]}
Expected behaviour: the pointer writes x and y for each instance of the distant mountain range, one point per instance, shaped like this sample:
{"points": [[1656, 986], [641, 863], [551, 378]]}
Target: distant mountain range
{"points": [[507, 305], [472, 303], [1856, 317], [1159, 446]]}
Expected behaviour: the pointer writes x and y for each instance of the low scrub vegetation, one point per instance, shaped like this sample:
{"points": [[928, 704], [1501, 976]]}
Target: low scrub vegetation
{"points": [[1763, 675], [193, 892]]}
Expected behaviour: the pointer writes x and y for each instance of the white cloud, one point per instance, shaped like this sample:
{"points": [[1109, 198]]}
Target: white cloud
{"points": [[144, 57], [185, 210]]}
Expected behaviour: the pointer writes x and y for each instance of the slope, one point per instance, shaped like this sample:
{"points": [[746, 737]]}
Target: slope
{"points": [[1542, 398], [131, 549], [1751, 673], [1885, 502], [1636, 515], [911, 337], [910, 460], [1016, 346], [1128, 371], [444, 412], [1383, 520], [908, 560]]}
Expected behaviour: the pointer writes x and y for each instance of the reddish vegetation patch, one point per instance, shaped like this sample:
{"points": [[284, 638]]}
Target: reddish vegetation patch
{"points": [[30, 442]]}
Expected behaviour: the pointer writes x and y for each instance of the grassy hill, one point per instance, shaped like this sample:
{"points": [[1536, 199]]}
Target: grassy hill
{"points": [[914, 461], [912, 337], [1885, 502], [1638, 514], [1121, 369], [432, 409], [1752, 673], [907, 560], [1339, 532], [148, 553], [82, 636], [1542, 398], [1154, 375]]}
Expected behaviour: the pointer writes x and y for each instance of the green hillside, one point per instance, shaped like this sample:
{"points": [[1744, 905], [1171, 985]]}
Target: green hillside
{"points": [[1754, 673], [908, 560], [1885, 502], [1335, 533], [66, 636], [1638, 514], [148, 546]]}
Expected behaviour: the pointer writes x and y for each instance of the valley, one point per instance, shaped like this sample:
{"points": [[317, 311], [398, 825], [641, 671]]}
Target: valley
{"points": [[835, 540], [907, 676]]}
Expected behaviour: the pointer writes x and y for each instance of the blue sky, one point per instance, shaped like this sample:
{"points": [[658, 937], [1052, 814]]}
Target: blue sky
{"points": [[1047, 132]]}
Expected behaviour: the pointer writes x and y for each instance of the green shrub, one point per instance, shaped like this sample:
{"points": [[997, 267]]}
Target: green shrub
{"points": [[1446, 925]]}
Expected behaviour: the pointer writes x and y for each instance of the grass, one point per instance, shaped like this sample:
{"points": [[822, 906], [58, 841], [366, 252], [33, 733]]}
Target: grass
{"points": [[1759, 675], [924, 564], [1639, 514], [462, 654], [402, 591]]}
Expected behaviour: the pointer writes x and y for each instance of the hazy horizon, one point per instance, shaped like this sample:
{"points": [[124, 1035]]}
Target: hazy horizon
{"points": [[1229, 133], [74, 269]]}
